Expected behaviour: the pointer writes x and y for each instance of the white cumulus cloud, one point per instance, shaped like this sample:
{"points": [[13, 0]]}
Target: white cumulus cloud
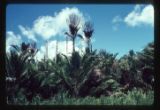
{"points": [[61, 48], [27, 32], [51, 26], [12, 39], [140, 16]]}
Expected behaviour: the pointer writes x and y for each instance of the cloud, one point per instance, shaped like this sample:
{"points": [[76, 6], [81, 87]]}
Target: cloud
{"points": [[61, 49], [29, 33], [12, 39], [51, 26], [48, 27], [140, 16], [117, 19]]}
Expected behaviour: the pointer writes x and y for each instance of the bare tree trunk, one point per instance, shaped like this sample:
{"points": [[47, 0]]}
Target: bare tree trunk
{"points": [[56, 49], [91, 47], [88, 46], [73, 41], [66, 44], [46, 49], [46, 60]]}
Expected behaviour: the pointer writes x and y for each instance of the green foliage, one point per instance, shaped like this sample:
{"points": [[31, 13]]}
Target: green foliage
{"points": [[93, 78], [76, 73], [134, 97]]}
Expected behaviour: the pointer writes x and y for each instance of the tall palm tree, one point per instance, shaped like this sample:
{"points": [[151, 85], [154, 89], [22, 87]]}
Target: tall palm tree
{"points": [[73, 23], [88, 31]]}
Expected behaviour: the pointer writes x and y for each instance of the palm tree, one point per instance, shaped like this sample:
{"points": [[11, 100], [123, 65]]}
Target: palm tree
{"points": [[18, 63], [88, 31], [73, 23], [146, 63], [75, 72], [146, 57], [20, 56]]}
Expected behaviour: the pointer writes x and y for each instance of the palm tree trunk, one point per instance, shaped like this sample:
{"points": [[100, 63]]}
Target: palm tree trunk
{"points": [[73, 41], [56, 49], [88, 46], [46, 49], [66, 44], [91, 47]]}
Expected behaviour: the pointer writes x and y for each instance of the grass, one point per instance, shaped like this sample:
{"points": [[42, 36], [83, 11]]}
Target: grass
{"points": [[134, 97]]}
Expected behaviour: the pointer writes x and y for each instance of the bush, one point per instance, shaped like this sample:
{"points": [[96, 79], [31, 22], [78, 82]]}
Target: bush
{"points": [[134, 97]]}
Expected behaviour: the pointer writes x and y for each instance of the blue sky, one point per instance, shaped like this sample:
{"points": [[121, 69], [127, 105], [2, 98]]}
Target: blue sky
{"points": [[118, 28]]}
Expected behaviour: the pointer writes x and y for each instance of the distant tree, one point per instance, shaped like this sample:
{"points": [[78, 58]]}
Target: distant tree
{"points": [[139, 67], [146, 63], [146, 56]]}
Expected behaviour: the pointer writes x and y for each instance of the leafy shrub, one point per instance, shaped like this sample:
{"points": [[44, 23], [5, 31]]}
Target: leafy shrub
{"points": [[134, 97]]}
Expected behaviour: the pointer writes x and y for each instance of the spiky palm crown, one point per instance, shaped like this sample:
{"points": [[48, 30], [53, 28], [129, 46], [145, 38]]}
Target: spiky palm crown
{"points": [[88, 29], [73, 30], [24, 46], [28, 47], [73, 21]]}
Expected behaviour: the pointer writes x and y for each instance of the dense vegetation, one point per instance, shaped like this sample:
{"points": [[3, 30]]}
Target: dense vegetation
{"points": [[94, 77]]}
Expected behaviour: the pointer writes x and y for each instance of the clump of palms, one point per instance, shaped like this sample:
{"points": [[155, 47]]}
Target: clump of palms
{"points": [[17, 66], [146, 65], [137, 68], [19, 57], [75, 72], [79, 77]]}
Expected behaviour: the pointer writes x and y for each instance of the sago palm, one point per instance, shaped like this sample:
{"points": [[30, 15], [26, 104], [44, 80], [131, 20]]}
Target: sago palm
{"points": [[76, 72], [17, 62], [88, 31], [73, 24]]}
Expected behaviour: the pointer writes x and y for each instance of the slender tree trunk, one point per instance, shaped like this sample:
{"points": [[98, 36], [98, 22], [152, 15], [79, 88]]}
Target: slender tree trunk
{"points": [[46, 49], [66, 44], [73, 41], [91, 47], [56, 50], [46, 54], [88, 46]]}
